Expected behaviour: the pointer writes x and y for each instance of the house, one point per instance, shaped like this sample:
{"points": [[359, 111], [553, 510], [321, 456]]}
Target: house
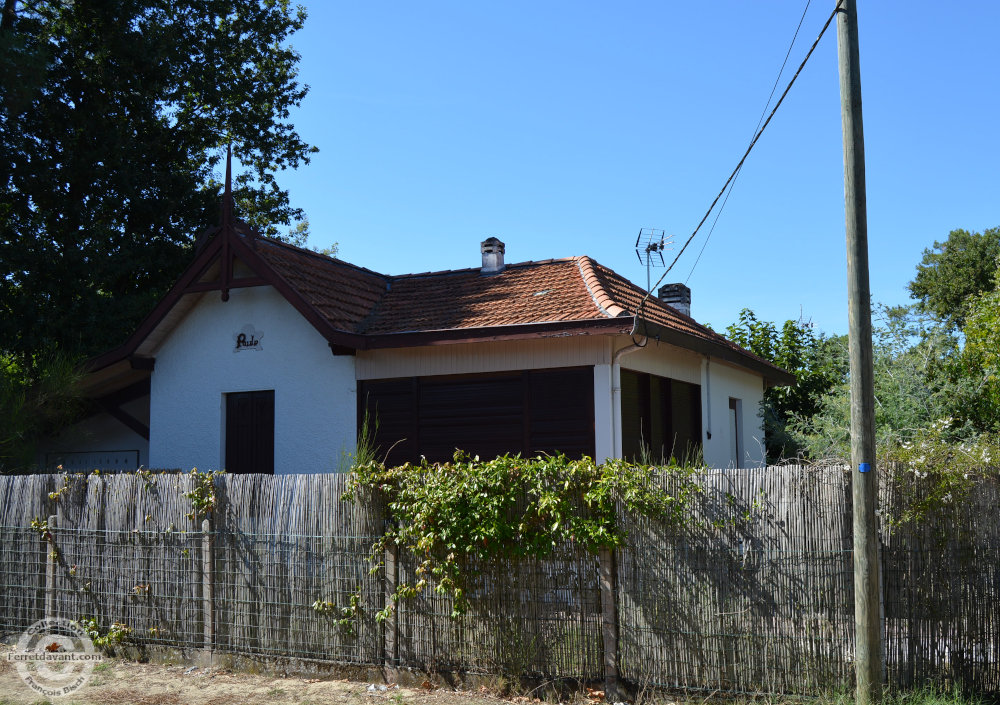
{"points": [[265, 357]]}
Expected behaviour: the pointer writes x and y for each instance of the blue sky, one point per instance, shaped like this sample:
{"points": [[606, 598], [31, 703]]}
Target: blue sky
{"points": [[564, 127]]}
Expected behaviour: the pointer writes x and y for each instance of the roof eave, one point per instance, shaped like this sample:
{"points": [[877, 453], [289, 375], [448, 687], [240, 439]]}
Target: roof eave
{"points": [[336, 338], [520, 331], [773, 375]]}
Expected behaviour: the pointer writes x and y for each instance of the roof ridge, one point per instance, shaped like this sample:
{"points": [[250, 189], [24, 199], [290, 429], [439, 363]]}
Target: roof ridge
{"points": [[605, 304], [658, 303], [464, 270]]}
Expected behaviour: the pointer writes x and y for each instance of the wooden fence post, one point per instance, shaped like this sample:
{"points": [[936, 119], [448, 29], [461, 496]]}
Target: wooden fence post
{"points": [[391, 624], [609, 622], [881, 610], [50, 570], [206, 584]]}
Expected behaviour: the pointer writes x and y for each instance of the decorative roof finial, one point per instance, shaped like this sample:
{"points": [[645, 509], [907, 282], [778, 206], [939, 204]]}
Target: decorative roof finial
{"points": [[227, 195]]}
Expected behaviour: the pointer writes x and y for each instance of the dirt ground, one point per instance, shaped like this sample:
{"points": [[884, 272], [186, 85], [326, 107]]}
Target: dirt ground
{"points": [[118, 682]]}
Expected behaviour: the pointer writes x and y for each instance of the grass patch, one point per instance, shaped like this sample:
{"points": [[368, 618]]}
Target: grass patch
{"points": [[928, 695], [922, 696], [933, 696]]}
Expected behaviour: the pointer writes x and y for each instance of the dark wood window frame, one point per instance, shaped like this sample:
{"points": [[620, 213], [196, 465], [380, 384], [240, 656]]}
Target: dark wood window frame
{"points": [[736, 442], [661, 414]]}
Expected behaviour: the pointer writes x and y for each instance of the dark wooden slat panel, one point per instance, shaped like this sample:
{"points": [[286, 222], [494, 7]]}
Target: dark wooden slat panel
{"points": [[485, 414], [481, 415], [250, 432], [686, 418], [659, 414], [631, 414], [390, 405], [561, 412]]}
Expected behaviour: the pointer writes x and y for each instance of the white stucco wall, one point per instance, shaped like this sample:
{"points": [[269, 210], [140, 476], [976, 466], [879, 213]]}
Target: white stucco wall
{"points": [[315, 408], [99, 441], [663, 360], [604, 433], [726, 382], [493, 356]]}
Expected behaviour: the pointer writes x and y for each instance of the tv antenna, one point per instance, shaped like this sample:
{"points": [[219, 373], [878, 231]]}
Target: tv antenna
{"points": [[649, 247]]}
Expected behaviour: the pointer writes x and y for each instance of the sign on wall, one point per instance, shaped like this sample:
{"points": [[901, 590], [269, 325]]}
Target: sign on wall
{"points": [[247, 338]]}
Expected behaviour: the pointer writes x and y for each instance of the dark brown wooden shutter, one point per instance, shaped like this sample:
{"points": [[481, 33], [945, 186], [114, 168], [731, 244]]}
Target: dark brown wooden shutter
{"points": [[482, 414], [685, 419], [391, 409], [561, 412], [250, 432]]}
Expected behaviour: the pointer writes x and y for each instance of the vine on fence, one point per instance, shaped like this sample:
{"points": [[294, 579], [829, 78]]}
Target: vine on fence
{"points": [[203, 496], [41, 526], [106, 640], [445, 514], [343, 617], [67, 483], [935, 474]]}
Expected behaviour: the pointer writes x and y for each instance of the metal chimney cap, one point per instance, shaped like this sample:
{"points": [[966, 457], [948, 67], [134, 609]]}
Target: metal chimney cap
{"points": [[493, 251]]}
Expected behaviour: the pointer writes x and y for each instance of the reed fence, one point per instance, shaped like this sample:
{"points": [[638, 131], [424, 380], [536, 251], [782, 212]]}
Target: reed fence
{"points": [[753, 594]]}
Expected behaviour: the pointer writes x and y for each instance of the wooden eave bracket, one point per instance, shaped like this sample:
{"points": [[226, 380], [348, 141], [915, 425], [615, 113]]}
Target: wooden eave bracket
{"points": [[127, 420], [226, 281], [339, 350], [139, 362], [112, 403]]}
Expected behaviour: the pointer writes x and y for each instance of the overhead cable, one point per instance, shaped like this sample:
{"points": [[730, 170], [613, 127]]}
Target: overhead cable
{"points": [[763, 112], [739, 166]]}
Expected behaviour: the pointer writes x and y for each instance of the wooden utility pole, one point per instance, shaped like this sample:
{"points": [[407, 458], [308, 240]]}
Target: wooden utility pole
{"points": [[868, 644]]}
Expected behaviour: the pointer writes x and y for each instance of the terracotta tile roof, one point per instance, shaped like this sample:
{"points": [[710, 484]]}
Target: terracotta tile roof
{"points": [[356, 308], [629, 297], [530, 292], [344, 294], [359, 301]]}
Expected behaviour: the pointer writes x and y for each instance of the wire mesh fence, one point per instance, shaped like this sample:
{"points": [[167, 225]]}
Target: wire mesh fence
{"points": [[941, 586], [292, 596], [752, 592], [531, 617], [146, 581], [23, 558]]}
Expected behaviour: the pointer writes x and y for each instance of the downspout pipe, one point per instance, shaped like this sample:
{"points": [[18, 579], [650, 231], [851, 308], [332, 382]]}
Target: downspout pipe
{"points": [[706, 383], [616, 396]]}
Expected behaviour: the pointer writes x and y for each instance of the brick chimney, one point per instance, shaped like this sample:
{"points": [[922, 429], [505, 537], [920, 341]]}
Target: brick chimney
{"points": [[676, 296], [492, 250]]}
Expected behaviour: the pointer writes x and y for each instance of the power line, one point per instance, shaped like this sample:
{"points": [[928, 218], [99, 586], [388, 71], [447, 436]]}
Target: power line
{"points": [[739, 166], [757, 127]]}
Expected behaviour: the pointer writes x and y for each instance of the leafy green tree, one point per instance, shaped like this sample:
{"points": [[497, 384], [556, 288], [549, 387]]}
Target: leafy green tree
{"points": [[978, 364], [926, 382], [818, 363], [113, 119], [34, 402], [953, 272], [911, 391], [956, 283]]}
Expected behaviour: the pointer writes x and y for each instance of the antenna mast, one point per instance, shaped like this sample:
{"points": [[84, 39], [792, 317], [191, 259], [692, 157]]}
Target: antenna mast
{"points": [[649, 247]]}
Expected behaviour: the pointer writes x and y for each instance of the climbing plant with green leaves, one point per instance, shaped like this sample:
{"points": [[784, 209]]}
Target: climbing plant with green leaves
{"points": [[202, 496], [510, 507], [933, 475]]}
